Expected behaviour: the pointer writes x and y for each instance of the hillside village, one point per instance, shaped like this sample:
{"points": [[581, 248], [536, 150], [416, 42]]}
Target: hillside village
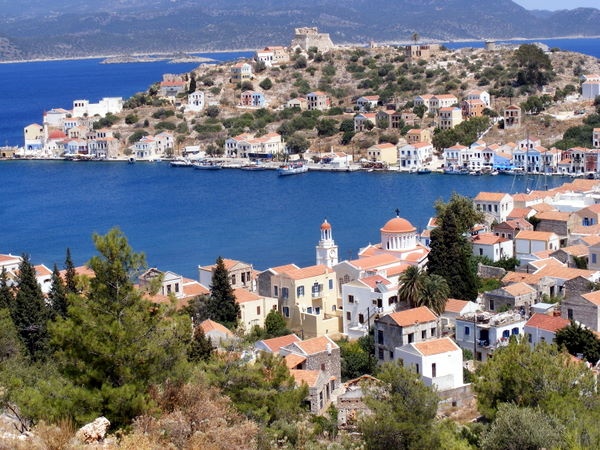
{"points": [[392, 107], [537, 251]]}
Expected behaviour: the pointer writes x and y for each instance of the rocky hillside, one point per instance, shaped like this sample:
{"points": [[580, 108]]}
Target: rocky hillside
{"points": [[346, 74], [82, 28]]}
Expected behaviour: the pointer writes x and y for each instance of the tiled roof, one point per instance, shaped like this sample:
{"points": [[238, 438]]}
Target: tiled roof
{"points": [[292, 360], [372, 281], [244, 296], [519, 289], [454, 305], [411, 316], [315, 345], [553, 215], [436, 346], [285, 268], [309, 272], [546, 322], [576, 250], [539, 207], [374, 261], [210, 325], [310, 377], [274, 344], [488, 239], [593, 297], [519, 213], [535, 235], [490, 196]]}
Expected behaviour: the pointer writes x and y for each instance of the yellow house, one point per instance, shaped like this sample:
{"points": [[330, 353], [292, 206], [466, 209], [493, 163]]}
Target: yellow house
{"points": [[253, 308], [386, 153], [307, 297]]}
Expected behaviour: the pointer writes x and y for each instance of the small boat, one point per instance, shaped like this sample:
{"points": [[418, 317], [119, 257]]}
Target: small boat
{"points": [[180, 162], [131, 160], [292, 169], [207, 165], [253, 166], [456, 171], [423, 171], [475, 173]]}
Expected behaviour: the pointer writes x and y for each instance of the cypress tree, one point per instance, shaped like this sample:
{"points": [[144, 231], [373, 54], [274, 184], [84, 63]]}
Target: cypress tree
{"points": [[6, 295], [58, 294], [29, 312], [192, 84], [222, 306], [70, 282], [450, 257]]}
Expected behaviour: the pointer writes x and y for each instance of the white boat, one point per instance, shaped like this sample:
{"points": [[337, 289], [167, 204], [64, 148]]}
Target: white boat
{"points": [[292, 169], [207, 165], [131, 160], [180, 162]]}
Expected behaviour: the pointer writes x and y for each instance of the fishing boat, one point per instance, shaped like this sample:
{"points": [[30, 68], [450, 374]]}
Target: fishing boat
{"points": [[253, 166], [207, 165], [423, 171], [292, 169]]}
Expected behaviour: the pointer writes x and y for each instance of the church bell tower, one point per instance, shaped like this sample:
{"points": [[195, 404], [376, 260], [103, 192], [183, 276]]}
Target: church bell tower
{"points": [[327, 251]]}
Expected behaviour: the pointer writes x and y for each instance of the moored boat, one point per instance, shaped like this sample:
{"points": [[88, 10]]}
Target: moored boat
{"points": [[180, 162], [423, 171], [292, 169], [207, 165]]}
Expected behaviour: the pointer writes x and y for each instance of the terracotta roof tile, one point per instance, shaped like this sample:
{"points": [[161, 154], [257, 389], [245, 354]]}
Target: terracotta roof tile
{"points": [[274, 344], [516, 289], [315, 345], [593, 297], [436, 346], [535, 235], [244, 296], [454, 305], [547, 322], [210, 325], [310, 377], [292, 360], [411, 316], [490, 196]]}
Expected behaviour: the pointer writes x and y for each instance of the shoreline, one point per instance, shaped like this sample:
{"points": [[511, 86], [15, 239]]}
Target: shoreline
{"points": [[204, 51]]}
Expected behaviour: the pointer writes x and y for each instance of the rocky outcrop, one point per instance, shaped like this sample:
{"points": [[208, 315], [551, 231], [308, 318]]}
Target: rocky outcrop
{"points": [[93, 432]]}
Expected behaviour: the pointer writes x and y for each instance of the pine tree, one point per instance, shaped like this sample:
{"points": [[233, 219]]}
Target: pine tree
{"points": [[114, 344], [6, 294], [70, 281], [30, 313], [58, 294], [201, 347], [222, 306]]}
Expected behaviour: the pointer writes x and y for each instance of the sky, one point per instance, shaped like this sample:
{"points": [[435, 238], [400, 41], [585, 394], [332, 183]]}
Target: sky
{"points": [[553, 5]]}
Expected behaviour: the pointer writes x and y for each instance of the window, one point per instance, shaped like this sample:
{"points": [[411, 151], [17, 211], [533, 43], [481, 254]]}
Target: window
{"points": [[530, 337], [417, 368], [467, 331], [317, 310], [275, 291], [391, 355], [333, 308], [380, 336], [515, 331], [433, 371], [569, 314], [424, 334], [258, 310], [286, 311], [309, 310], [331, 284], [433, 330], [348, 316], [299, 291], [351, 299], [593, 258], [380, 354], [285, 292], [168, 288], [491, 305], [480, 252], [361, 318], [176, 287], [243, 277], [411, 338], [506, 334], [233, 279]]}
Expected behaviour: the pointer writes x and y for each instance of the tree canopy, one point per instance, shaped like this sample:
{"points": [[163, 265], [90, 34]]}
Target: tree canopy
{"points": [[221, 305]]}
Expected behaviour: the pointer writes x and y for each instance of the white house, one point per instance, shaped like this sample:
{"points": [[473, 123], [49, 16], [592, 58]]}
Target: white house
{"points": [[496, 204], [415, 156], [439, 362], [590, 89], [113, 105], [145, 148], [483, 332], [363, 299], [367, 102], [492, 246], [195, 102], [543, 328], [529, 242], [484, 96]]}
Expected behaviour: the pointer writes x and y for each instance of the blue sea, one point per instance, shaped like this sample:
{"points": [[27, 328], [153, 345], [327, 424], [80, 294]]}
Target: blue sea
{"points": [[184, 218]]}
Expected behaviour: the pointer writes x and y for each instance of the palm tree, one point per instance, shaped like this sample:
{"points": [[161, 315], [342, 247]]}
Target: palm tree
{"points": [[411, 285], [434, 293]]}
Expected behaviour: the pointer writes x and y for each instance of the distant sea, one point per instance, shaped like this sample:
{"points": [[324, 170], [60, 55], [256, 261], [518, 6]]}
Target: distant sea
{"points": [[182, 218]]}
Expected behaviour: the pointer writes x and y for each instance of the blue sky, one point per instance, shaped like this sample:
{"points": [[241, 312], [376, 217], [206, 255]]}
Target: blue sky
{"points": [[553, 5]]}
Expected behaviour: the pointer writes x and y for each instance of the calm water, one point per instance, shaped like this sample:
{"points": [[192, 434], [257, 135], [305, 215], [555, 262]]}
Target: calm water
{"points": [[183, 217]]}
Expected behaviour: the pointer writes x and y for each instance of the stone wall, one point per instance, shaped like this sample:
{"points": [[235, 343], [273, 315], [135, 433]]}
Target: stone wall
{"points": [[490, 271]]}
